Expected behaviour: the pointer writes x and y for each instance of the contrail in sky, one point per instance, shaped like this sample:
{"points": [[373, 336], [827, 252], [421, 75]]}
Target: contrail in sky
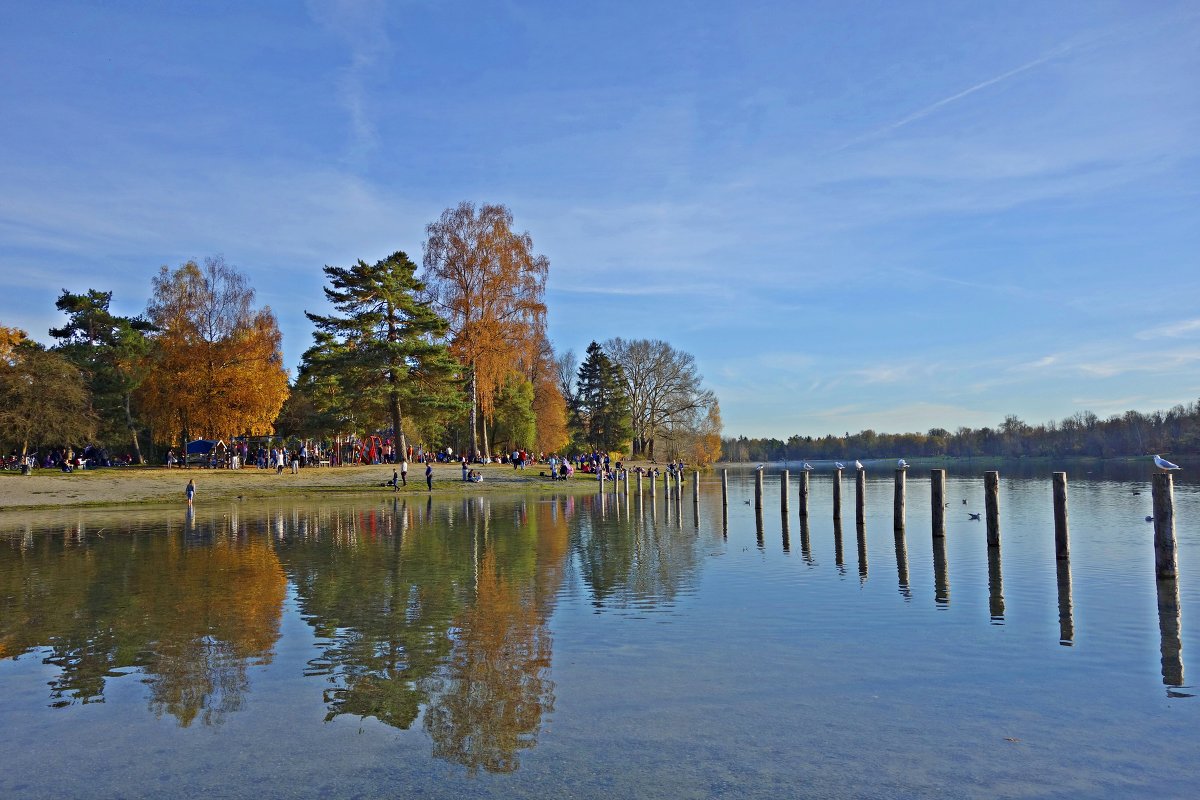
{"points": [[945, 101]]}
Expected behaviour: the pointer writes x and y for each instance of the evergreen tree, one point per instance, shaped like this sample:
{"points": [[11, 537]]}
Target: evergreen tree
{"points": [[382, 348], [110, 350], [601, 404]]}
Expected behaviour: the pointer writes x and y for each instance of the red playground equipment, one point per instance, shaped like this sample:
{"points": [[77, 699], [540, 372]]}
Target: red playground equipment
{"points": [[369, 451]]}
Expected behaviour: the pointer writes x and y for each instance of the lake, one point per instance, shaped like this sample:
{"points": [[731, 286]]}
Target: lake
{"points": [[605, 646]]}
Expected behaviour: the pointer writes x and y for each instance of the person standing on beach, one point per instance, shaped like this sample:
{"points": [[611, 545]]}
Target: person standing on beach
{"points": [[429, 475], [190, 491], [404, 471]]}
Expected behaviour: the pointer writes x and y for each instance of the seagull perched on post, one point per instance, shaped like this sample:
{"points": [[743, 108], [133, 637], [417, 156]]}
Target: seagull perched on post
{"points": [[1163, 464], [902, 464], [807, 467], [760, 467], [838, 465], [858, 465]]}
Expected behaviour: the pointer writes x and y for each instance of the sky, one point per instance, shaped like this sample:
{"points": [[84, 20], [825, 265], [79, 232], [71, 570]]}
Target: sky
{"points": [[882, 215]]}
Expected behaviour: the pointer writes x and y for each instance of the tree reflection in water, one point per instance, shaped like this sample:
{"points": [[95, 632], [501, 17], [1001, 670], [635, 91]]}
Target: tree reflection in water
{"points": [[190, 618]]}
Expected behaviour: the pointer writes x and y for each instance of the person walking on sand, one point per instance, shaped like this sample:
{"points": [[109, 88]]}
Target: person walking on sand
{"points": [[190, 491], [429, 475]]}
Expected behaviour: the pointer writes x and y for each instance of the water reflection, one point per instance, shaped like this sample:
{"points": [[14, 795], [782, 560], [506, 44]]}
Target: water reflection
{"points": [[941, 577], [190, 614], [1168, 629], [862, 550], [995, 586], [1066, 618], [902, 564], [839, 555]]}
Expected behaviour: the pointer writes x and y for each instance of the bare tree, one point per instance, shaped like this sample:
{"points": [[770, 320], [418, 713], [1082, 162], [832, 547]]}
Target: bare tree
{"points": [[664, 388]]}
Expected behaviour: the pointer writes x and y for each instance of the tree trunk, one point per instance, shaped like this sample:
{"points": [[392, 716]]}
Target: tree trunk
{"points": [[137, 450], [486, 451], [474, 445]]}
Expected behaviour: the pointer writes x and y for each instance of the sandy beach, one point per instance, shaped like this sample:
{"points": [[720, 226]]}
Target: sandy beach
{"points": [[150, 485]]}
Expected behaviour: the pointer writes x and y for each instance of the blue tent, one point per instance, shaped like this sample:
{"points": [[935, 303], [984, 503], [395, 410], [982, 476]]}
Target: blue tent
{"points": [[203, 447]]}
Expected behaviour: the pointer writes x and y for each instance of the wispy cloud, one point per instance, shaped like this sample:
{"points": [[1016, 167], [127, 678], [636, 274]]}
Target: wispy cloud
{"points": [[1171, 330], [361, 25]]}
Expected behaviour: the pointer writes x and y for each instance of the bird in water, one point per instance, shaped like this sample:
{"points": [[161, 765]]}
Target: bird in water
{"points": [[964, 501], [1163, 464], [973, 516], [1149, 519]]}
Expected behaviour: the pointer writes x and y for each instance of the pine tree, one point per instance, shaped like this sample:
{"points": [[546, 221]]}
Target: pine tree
{"points": [[601, 404], [382, 348]]}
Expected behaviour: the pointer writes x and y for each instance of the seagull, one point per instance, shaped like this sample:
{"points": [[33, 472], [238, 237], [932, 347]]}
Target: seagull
{"points": [[1163, 464], [838, 465], [807, 466], [902, 464], [760, 468], [858, 465]]}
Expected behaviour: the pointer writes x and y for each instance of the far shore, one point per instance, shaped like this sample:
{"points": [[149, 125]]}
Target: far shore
{"points": [[116, 486]]}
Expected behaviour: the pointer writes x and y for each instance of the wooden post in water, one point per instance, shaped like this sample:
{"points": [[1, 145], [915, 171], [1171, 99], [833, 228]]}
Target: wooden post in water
{"points": [[602, 482], [898, 501], [860, 498], [1062, 536], [937, 501], [837, 494], [991, 506], [625, 481], [639, 485], [696, 486], [804, 494], [725, 488], [1165, 563], [758, 488], [783, 491]]}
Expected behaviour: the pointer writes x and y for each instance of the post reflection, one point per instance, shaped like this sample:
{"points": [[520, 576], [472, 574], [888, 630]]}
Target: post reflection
{"points": [[862, 550], [805, 540], [785, 525], [995, 586], [941, 577], [839, 554], [1169, 626], [758, 527], [902, 564], [1066, 620]]}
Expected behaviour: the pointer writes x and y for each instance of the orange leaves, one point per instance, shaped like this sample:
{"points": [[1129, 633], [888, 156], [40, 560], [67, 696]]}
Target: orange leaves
{"points": [[217, 366]]}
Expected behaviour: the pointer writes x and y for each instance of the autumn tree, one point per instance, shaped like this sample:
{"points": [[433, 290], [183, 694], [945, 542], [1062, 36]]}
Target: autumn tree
{"points": [[380, 355], [489, 285], [549, 404], [664, 388], [111, 351], [601, 403], [216, 367], [43, 397]]}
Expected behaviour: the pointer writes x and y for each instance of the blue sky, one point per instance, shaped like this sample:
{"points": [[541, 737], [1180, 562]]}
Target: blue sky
{"points": [[854, 214]]}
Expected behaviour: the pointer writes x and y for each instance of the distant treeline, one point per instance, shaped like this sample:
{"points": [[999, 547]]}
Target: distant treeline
{"points": [[1084, 434]]}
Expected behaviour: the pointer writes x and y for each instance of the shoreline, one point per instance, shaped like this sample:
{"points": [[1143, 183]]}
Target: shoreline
{"points": [[144, 486]]}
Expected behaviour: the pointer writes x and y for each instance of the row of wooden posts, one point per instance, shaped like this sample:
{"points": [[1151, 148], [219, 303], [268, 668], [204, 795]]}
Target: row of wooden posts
{"points": [[1163, 493], [1164, 541], [1165, 562]]}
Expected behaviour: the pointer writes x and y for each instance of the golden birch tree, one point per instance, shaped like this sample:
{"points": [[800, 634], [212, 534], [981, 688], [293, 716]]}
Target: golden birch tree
{"points": [[484, 278]]}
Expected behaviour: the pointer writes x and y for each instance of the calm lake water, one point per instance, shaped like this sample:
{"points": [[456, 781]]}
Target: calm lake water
{"points": [[605, 647]]}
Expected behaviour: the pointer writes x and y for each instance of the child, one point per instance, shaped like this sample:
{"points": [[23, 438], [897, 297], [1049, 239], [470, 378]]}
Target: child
{"points": [[190, 491]]}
